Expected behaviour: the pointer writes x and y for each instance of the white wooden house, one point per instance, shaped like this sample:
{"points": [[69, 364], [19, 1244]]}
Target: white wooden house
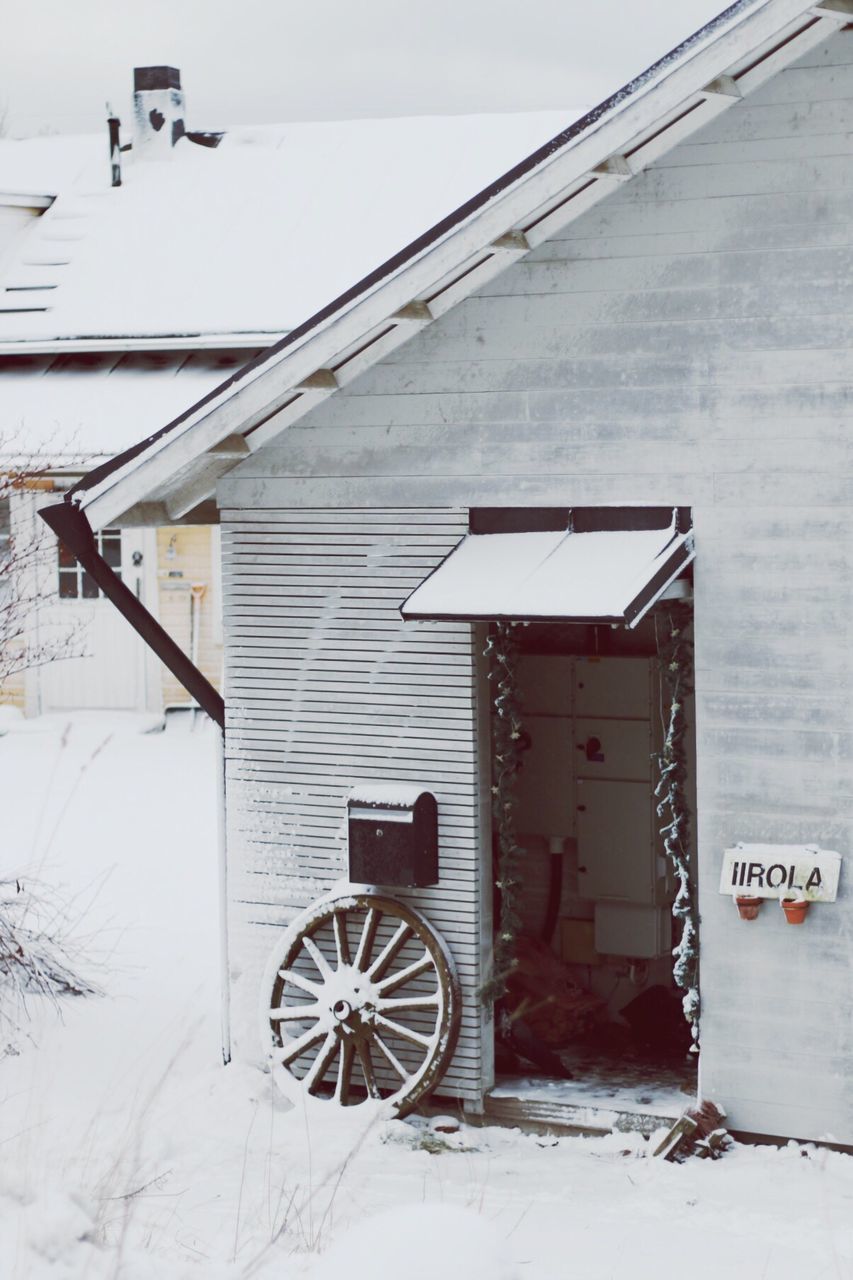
{"points": [[79, 378], [122, 306], [631, 348]]}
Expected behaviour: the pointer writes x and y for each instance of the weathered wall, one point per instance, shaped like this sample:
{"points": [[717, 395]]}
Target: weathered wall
{"points": [[327, 688], [688, 341], [184, 560], [20, 536]]}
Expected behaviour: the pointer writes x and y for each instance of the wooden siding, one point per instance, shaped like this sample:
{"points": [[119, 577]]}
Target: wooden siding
{"points": [[12, 691], [114, 668], [327, 687], [192, 560], [689, 341]]}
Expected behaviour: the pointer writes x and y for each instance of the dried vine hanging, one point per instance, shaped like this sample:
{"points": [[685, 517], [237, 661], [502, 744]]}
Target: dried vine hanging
{"points": [[675, 651], [507, 748]]}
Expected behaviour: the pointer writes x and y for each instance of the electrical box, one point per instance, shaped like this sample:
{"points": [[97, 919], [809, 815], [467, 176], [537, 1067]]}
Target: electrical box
{"points": [[393, 836], [632, 930], [589, 773], [616, 841], [619, 687]]}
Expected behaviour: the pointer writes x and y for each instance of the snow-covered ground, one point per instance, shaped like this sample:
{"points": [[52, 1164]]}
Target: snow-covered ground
{"points": [[127, 1151]]}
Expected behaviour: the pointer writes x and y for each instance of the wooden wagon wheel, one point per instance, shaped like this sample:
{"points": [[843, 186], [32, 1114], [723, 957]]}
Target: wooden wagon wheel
{"points": [[376, 1016], [341, 1023]]}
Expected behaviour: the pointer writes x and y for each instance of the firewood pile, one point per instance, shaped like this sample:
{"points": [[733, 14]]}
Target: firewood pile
{"points": [[555, 1008], [698, 1132]]}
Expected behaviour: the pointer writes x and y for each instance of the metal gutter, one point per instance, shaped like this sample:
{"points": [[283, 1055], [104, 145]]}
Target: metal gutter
{"points": [[163, 342], [71, 526]]}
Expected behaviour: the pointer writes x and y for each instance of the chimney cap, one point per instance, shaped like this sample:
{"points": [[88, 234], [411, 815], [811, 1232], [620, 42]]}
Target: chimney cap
{"points": [[156, 78]]}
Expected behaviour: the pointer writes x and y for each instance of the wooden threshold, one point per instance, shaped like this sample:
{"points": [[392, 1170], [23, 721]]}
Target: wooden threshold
{"points": [[552, 1117], [540, 1116]]}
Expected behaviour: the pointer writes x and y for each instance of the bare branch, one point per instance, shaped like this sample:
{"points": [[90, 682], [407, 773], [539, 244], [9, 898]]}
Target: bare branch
{"points": [[32, 632]]}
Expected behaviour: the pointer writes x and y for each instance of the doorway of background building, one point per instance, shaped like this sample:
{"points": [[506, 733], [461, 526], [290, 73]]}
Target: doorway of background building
{"points": [[593, 1018]]}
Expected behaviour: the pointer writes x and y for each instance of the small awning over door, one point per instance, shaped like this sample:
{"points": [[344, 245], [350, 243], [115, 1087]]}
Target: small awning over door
{"points": [[601, 576]]}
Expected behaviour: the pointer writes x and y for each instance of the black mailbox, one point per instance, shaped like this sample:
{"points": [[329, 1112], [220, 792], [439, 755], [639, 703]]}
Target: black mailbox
{"points": [[393, 836]]}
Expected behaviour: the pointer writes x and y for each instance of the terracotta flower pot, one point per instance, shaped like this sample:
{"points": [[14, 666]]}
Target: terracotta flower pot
{"points": [[795, 909], [748, 907]]}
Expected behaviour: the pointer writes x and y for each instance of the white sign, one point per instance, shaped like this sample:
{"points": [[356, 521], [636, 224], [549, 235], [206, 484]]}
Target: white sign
{"points": [[781, 871]]}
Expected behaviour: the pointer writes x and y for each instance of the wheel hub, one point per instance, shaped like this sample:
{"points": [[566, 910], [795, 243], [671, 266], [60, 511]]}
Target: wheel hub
{"points": [[351, 1000]]}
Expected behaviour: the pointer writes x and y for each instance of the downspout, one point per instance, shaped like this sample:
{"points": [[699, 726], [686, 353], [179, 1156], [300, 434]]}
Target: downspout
{"points": [[71, 526]]}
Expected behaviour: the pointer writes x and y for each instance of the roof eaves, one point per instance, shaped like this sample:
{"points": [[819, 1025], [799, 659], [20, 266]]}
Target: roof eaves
{"points": [[757, 23], [26, 199], [143, 342]]}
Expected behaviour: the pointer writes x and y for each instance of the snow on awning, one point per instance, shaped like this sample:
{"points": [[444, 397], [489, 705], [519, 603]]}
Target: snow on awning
{"points": [[601, 576]]}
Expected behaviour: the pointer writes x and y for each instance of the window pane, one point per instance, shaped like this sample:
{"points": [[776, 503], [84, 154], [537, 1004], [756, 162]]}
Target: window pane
{"points": [[112, 552], [90, 588], [66, 560], [68, 585]]}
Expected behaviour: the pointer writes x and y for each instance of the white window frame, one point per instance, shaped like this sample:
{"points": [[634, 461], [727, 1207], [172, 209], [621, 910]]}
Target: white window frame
{"points": [[77, 574]]}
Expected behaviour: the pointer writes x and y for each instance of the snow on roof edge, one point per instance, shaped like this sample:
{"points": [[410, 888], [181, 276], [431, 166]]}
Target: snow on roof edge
{"points": [[729, 18], [213, 341]]}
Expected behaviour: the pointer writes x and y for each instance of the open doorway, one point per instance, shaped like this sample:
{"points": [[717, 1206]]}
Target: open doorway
{"points": [[593, 1020]]}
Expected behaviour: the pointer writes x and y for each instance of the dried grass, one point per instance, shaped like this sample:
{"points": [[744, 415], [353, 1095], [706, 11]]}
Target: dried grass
{"points": [[42, 954]]}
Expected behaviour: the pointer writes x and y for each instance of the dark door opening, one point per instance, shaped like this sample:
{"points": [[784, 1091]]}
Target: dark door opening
{"points": [[593, 1018]]}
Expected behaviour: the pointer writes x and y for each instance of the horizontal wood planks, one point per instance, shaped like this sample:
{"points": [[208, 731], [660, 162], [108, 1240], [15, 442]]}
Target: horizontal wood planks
{"points": [[688, 341], [327, 687]]}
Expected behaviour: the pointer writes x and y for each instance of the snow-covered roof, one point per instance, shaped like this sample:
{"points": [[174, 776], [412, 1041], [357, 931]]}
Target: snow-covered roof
{"points": [[45, 166], [241, 242], [73, 410], [734, 54], [603, 575]]}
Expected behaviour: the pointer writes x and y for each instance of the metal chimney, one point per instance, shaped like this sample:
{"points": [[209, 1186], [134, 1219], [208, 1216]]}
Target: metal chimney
{"points": [[158, 108]]}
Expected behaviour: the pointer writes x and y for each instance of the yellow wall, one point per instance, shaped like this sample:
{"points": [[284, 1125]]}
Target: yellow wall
{"points": [[12, 691], [23, 493], [186, 555], [184, 558]]}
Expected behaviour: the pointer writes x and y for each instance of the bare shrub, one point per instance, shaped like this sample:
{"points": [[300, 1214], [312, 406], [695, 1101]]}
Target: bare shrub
{"points": [[28, 564], [41, 955]]}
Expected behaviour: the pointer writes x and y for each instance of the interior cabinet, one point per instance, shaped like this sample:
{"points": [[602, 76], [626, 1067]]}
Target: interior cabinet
{"points": [[615, 841], [589, 772]]}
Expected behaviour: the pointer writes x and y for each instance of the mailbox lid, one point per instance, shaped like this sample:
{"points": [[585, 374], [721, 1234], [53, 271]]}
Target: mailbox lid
{"points": [[386, 795]]}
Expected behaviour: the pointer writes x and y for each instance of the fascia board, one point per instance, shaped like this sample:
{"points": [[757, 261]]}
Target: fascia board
{"points": [[192, 342], [267, 386], [25, 200]]}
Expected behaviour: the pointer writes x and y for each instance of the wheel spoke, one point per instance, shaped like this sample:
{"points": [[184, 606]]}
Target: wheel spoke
{"points": [[304, 984], [402, 1003], [387, 985], [368, 935], [296, 1013], [405, 1033], [339, 924], [293, 1048], [363, 1003], [322, 1062], [317, 956], [395, 1062], [344, 1073], [389, 951], [363, 1050]]}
